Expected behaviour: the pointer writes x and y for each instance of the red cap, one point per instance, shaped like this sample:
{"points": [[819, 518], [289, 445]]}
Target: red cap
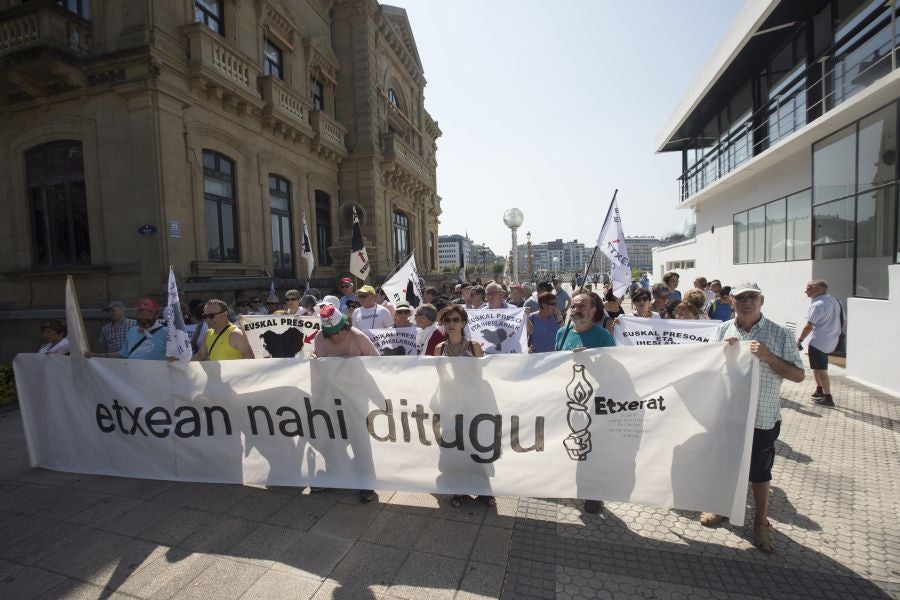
{"points": [[346, 280], [147, 304]]}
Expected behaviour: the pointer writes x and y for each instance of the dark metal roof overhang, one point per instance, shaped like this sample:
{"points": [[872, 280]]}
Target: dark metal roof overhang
{"points": [[776, 29]]}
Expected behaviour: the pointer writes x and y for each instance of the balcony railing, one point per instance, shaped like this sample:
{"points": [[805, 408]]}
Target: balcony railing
{"points": [[328, 132], [37, 24], [212, 59], [284, 104], [395, 148], [833, 79]]}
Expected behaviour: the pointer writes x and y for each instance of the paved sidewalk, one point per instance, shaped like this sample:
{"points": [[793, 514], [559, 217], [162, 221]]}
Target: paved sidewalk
{"points": [[835, 507]]}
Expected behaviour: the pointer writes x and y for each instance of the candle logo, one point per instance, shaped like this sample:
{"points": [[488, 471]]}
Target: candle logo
{"points": [[579, 392]]}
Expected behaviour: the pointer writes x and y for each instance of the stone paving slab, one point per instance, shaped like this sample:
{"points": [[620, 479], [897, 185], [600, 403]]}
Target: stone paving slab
{"points": [[834, 506]]}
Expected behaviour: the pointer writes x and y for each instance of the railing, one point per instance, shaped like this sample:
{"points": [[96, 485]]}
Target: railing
{"points": [[210, 51], [328, 130], [394, 147], [39, 24], [283, 102], [833, 78]]}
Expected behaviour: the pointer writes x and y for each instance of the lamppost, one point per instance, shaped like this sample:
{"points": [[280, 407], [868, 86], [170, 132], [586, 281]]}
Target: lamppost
{"points": [[556, 265], [530, 265], [513, 218]]}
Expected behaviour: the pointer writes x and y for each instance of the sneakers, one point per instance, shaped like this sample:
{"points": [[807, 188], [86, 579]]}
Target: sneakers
{"points": [[763, 538], [593, 506], [817, 394], [823, 401], [366, 495], [708, 519]]}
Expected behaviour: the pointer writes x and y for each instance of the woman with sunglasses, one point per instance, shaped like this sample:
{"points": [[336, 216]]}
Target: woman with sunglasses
{"points": [[454, 320], [543, 324], [224, 339]]}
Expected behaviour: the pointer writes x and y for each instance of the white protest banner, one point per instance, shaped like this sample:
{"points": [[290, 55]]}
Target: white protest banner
{"points": [[612, 243], [405, 285], [394, 342], [359, 258], [498, 330], [280, 336], [660, 426], [178, 342], [306, 251], [638, 331]]}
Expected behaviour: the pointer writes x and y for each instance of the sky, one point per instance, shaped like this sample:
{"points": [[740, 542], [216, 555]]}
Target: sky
{"points": [[550, 106]]}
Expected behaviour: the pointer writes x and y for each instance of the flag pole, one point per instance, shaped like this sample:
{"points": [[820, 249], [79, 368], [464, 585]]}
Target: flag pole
{"points": [[587, 267]]}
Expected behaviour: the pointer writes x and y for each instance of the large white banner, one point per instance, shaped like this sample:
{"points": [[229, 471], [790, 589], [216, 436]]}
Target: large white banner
{"points": [[498, 330], [405, 284], [280, 336], [638, 331], [661, 426]]}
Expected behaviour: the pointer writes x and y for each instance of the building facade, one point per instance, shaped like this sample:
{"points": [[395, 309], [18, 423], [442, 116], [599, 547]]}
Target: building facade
{"points": [[198, 134], [789, 153], [452, 248], [554, 256]]}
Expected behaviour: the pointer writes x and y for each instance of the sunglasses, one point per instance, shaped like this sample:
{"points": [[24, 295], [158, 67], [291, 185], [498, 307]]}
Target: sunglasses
{"points": [[243, 305], [453, 320], [346, 285], [292, 299], [746, 298], [212, 315]]}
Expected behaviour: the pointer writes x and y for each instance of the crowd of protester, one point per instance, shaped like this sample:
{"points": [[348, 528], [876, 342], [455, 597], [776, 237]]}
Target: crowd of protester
{"points": [[557, 320]]}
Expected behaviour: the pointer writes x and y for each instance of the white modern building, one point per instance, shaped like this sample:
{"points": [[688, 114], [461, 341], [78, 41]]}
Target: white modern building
{"points": [[554, 256], [451, 248], [789, 162]]}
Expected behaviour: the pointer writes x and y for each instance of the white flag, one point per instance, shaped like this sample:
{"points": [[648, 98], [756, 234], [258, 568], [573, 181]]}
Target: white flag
{"points": [[462, 263], [359, 259], [612, 243], [178, 342], [307, 251], [405, 285], [78, 342]]}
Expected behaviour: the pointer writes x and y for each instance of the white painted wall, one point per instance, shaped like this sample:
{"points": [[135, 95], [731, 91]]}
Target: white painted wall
{"points": [[873, 328]]}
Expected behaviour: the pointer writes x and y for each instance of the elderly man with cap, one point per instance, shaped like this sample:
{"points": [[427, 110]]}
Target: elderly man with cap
{"points": [[346, 294], [776, 349], [291, 304], [146, 341], [273, 304], [370, 315], [112, 335]]}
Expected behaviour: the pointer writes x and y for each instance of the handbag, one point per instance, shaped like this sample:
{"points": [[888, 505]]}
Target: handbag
{"points": [[841, 348]]}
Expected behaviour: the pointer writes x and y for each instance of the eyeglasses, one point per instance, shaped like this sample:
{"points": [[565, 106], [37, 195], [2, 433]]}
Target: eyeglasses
{"points": [[346, 285], [212, 315], [746, 298], [452, 320]]}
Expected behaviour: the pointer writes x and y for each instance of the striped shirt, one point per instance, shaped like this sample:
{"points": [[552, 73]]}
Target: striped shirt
{"points": [[780, 341]]}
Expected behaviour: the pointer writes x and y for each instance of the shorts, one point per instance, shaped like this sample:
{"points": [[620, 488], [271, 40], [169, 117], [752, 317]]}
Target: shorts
{"points": [[818, 360], [762, 455]]}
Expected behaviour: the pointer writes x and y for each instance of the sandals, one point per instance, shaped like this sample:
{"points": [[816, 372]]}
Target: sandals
{"points": [[457, 500]]}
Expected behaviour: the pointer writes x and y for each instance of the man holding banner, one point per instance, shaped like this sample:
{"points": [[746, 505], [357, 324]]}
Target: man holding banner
{"points": [[776, 349], [147, 341]]}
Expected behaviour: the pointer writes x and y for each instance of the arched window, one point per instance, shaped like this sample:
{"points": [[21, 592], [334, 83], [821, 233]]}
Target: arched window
{"points": [[392, 97], [55, 173], [221, 220], [280, 210], [401, 237]]}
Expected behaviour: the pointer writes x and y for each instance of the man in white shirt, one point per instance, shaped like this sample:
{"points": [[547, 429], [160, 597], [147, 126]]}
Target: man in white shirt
{"points": [[824, 325], [370, 315]]}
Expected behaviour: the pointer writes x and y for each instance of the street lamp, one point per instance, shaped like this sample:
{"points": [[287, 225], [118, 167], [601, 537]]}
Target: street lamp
{"points": [[513, 219], [556, 265], [530, 266]]}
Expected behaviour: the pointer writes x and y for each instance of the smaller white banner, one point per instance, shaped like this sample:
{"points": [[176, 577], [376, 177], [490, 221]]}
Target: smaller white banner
{"points": [[280, 336], [638, 331], [405, 285], [178, 343], [498, 330], [394, 342], [612, 243]]}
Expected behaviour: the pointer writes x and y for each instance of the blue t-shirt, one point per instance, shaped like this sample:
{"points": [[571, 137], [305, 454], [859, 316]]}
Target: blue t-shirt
{"points": [[543, 332], [595, 337], [153, 348]]}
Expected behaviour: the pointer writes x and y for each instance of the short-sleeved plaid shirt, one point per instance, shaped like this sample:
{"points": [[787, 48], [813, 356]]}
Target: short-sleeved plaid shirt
{"points": [[782, 344], [112, 335]]}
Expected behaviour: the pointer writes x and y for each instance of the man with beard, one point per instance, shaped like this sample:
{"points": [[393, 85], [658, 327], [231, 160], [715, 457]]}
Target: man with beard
{"points": [[224, 340], [147, 341]]}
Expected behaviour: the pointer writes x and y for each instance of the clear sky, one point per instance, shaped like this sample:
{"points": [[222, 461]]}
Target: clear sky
{"points": [[550, 106]]}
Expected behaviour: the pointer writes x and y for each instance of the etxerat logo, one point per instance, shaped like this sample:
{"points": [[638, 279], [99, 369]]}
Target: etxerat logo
{"points": [[608, 406]]}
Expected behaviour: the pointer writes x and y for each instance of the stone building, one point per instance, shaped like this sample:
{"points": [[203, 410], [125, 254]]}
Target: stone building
{"points": [[197, 133]]}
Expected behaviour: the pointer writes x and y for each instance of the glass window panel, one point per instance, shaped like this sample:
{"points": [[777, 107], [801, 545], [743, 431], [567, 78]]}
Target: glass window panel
{"points": [[833, 162], [229, 235], [209, 160], [844, 250], [276, 242], [217, 187], [323, 227], [286, 262], [80, 222], [799, 226], [76, 161], [279, 203], [213, 236], [756, 235], [59, 226], [878, 148], [876, 215], [833, 222], [224, 165], [56, 160], [39, 226], [776, 213]]}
